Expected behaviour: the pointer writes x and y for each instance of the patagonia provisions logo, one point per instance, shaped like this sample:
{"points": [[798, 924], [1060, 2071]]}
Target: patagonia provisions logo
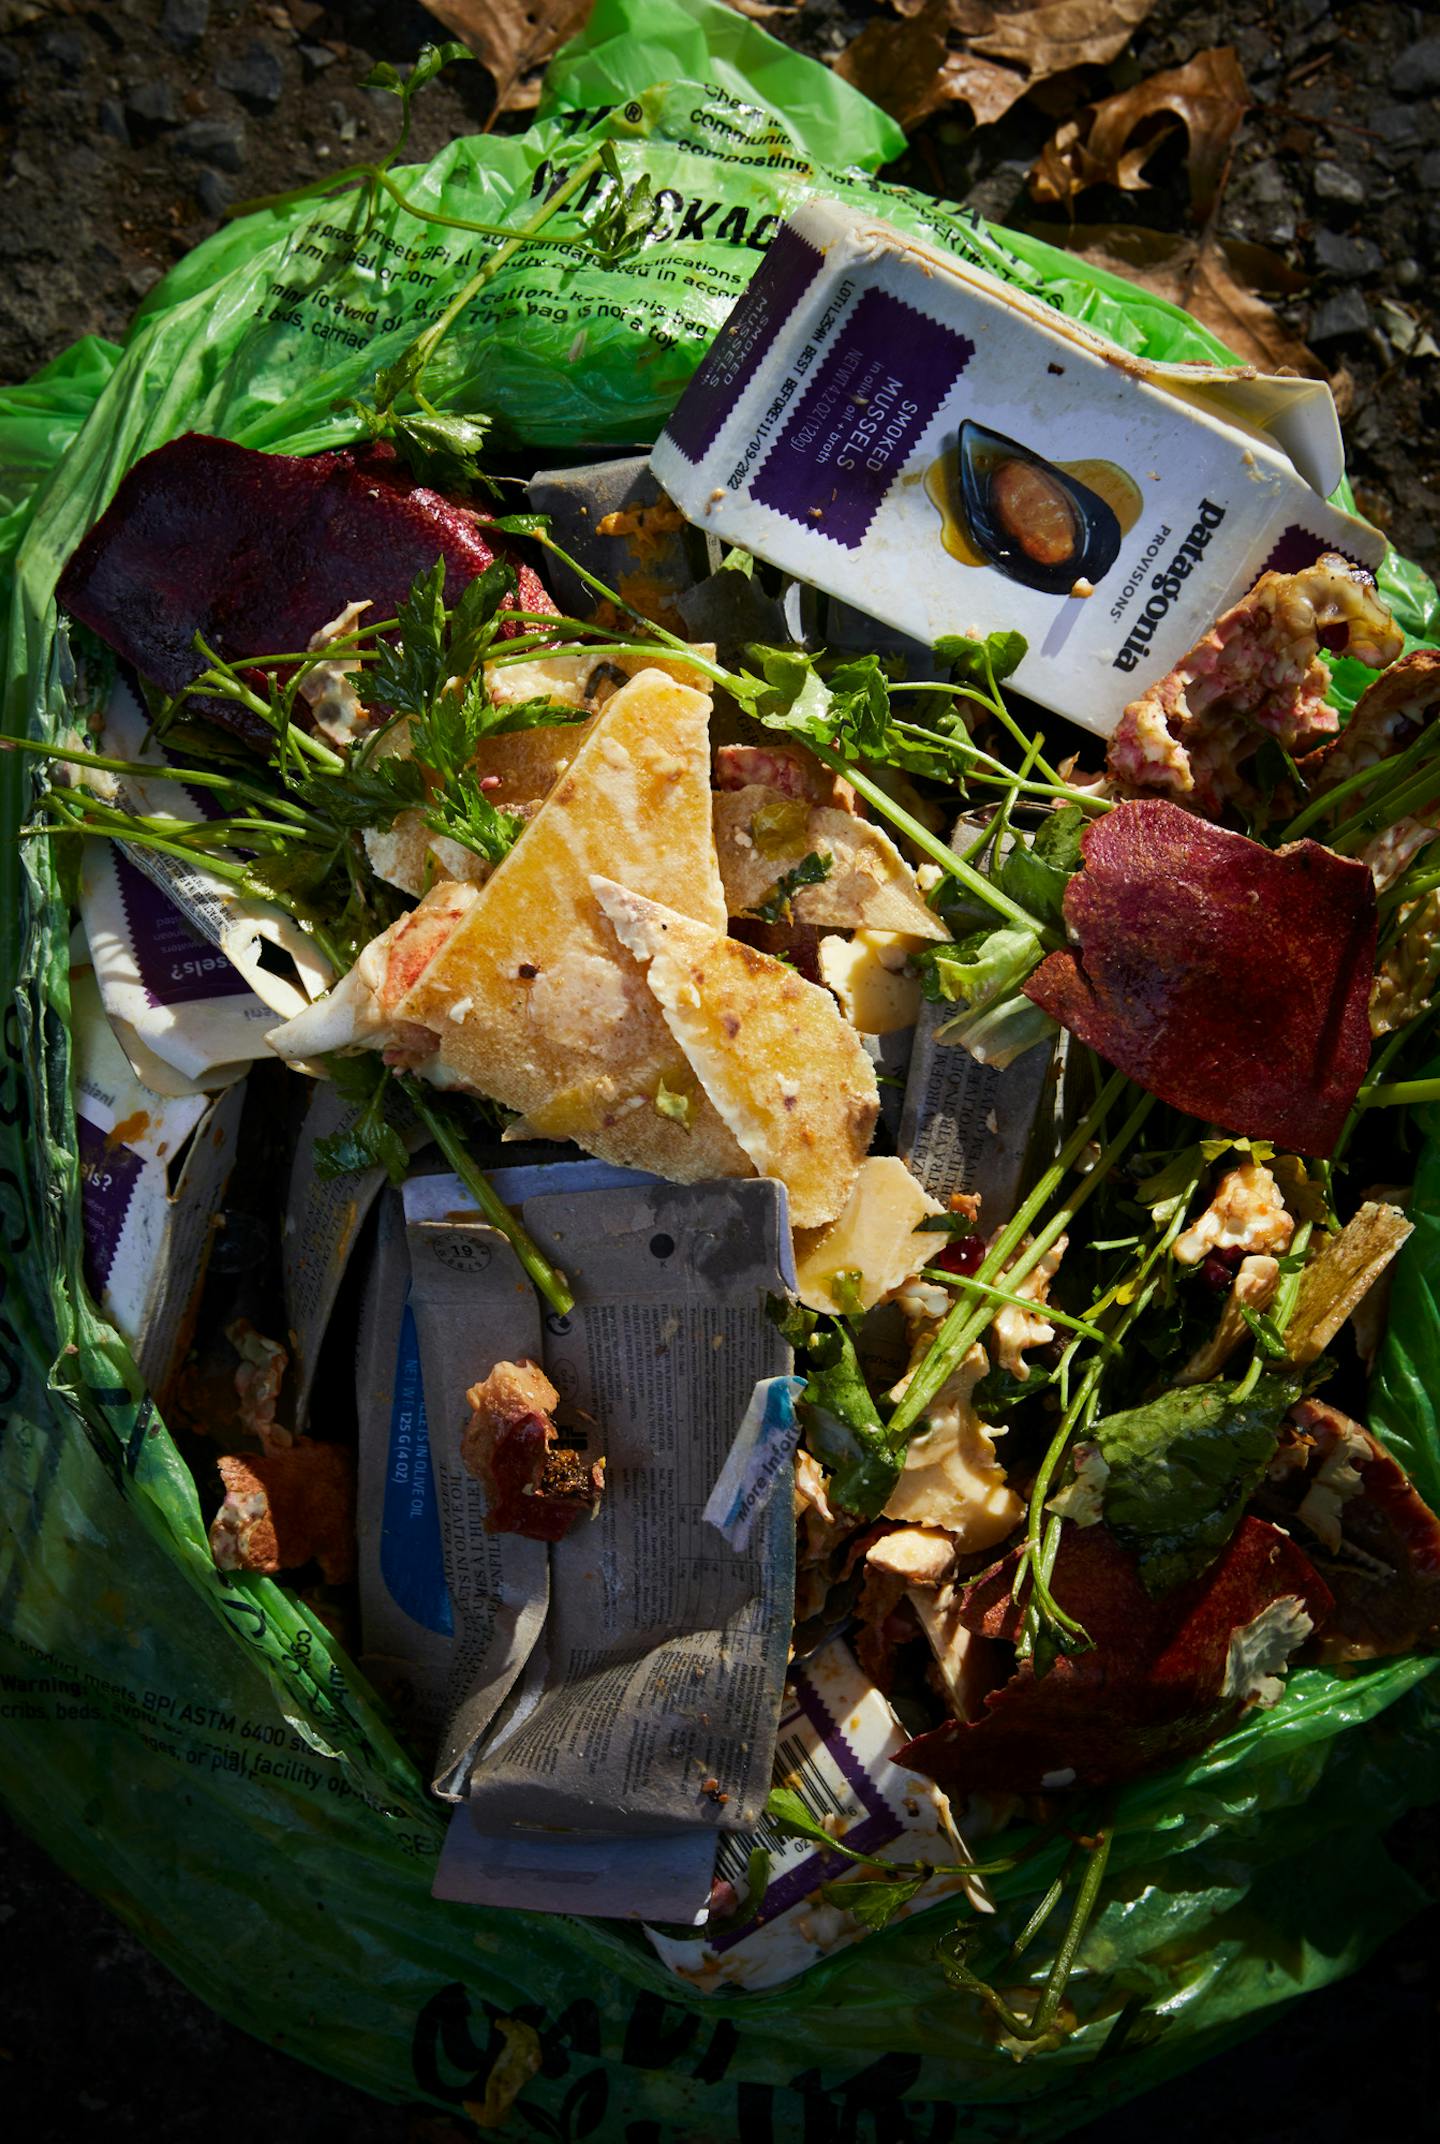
{"points": [[1167, 585]]}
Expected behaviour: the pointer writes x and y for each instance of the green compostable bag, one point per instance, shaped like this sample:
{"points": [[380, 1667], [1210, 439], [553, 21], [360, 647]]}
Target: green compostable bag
{"points": [[193, 1746]]}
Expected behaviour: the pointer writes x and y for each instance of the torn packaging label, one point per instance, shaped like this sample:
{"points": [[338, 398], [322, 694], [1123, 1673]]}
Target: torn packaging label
{"points": [[152, 1178], [157, 976], [655, 1699], [275, 958]]}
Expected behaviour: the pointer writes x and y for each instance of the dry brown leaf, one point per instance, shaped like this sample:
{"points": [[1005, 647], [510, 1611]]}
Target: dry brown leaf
{"points": [[1047, 36], [908, 69], [1207, 96], [1216, 280], [512, 39]]}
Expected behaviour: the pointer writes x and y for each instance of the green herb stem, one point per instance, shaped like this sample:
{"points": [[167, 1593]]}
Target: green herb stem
{"points": [[964, 1326], [551, 1284], [1389, 1094], [931, 845], [942, 1279]]}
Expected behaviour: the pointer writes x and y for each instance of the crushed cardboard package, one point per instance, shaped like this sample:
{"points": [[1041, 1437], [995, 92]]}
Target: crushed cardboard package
{"points": [[162, 980], [277, 959], [906, 432], [625, 1679], [153, 1170], [836, 1748]]}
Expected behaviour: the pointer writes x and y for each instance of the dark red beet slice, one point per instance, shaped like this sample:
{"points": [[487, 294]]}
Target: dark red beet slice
{"points": [[1230, 979], [258, 551], [1385, 1575], [1152, 1689]]}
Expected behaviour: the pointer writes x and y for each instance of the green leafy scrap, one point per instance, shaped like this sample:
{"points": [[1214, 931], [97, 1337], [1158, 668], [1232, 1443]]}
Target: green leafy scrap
{"points": [[1036, 873], [371, 1141], [982, 975], [840, 1420], [873, 1904], [626, 215], [1182, 1469], [986, 660]]}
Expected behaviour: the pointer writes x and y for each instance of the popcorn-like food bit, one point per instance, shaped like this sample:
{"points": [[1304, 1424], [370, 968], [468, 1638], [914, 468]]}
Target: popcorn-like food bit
{"points": [[531, 1000], [1246, 1214], [1162, 1678], [873, 1245], [787, 1074], [1229, 979], [1257, 673], [950, 1476], [286, 1507], [760, 835], [258, 552], [510, 1446], [1388, 716]]}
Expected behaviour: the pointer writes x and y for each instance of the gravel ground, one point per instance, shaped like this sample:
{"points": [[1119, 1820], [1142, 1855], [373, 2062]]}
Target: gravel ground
{"points": [[126, 129]]}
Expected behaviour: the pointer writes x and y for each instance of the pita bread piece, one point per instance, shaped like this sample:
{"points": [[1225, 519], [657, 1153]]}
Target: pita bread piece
{"points": [[533, 1001], [760, 834], [788, 1074]]}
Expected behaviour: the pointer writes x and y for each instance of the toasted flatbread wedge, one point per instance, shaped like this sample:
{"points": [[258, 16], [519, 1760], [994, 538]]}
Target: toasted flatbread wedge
{"points": [[533, 1001], [872, 1246], [761, 834], [788, 1075]]}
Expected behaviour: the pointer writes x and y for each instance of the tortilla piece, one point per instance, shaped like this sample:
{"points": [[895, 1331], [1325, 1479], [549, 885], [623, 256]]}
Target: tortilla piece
{"points": [[789, 1076], [876, 1241], [1229, 979], [258, 552], [533, 1002], [870, 886]]}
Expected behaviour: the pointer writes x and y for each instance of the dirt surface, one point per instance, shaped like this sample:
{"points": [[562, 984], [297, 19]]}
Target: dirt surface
{"points": [[126, 130]]}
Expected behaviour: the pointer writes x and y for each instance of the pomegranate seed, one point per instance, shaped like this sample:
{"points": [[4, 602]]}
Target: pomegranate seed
{"points": [[963, 1254]]}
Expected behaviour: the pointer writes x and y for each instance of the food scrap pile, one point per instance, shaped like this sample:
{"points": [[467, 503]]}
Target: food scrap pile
{"points": [[1081, 1474]]}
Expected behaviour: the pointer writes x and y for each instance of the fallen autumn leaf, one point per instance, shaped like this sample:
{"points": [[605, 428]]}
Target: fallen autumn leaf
{"points": [[1207, 96], [512, 39]]}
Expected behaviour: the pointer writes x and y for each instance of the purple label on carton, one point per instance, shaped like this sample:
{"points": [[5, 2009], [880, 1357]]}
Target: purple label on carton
{"points": [[731, 362], [1296, 548], [872, 395], [109, 1173], [176, 964]]}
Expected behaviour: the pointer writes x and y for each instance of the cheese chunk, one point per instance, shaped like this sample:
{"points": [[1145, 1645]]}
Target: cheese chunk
{"points": [[874, 1240], [789, 1077], [867, 974], [761, 834], [534, 1002]]}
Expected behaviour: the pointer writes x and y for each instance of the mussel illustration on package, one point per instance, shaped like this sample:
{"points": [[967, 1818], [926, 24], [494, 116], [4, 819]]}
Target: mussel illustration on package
{"points": [[1028, 519]]}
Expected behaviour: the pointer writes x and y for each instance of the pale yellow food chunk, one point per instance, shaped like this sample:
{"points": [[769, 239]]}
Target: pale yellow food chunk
{"points": [[787, 1074], [760, 835], [533, 1000], [867, 974], [875, 1243]]}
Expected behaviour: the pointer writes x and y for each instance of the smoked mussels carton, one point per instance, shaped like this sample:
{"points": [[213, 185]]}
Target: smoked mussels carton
{"points": [[950, 455]]}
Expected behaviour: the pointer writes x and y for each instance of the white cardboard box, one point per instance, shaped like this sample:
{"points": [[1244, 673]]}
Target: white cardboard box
{"points": [[950, 455]]}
